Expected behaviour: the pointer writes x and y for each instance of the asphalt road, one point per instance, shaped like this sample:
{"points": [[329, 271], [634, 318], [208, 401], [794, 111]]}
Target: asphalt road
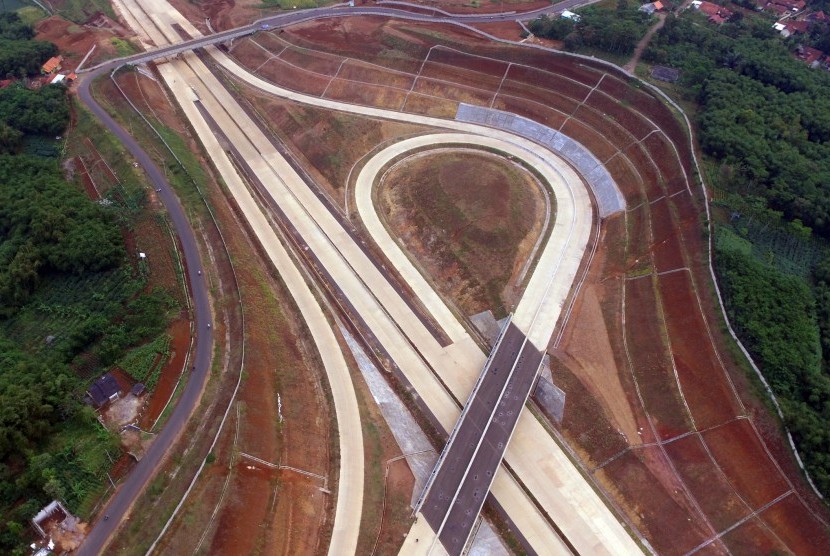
{"points": [[463, 481], [120, 504]]}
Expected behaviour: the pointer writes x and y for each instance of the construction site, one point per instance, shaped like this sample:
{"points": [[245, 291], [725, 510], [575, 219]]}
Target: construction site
{"points": [[457, 297]]}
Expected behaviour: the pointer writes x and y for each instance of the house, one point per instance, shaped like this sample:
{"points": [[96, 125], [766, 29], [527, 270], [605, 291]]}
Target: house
{"points": [[809, 55], [662, 73], [777, 9], [792, 5], [52, 64], [103, 391], [567, 14], [57, 79], [651, 7], [717, 14], [817, 17], [790, 28]]}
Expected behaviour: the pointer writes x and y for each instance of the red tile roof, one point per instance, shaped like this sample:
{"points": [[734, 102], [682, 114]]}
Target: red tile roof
{"points": [[809, 54], [52, 64]]}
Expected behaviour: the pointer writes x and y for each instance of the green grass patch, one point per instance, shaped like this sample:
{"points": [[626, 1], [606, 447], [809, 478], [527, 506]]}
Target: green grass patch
{"points": [[80, 11], [30, 14], [122, 47], [145, 362]]}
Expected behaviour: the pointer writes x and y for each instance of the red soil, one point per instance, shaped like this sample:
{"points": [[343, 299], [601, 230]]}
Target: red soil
{"points": [[712, 491], [502, 29], [74, 41], [797, 527], [745, 463], [369, 95], [650, 361], [705, 388], [173, 368], [363, 72], [658, 515]]}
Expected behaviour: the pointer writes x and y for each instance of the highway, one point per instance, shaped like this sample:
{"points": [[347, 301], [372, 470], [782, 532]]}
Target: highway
{"points": [[467, 468], [380, 306]]}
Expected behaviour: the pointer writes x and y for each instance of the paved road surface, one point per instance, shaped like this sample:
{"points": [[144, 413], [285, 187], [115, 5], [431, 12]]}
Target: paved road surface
{"points": [[135, 482], [467, 469]]}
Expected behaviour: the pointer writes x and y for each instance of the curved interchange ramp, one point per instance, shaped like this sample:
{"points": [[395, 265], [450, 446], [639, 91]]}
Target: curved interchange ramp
{"points": [[440, 374]]}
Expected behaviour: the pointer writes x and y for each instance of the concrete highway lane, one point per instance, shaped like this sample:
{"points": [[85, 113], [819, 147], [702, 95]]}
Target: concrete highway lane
{"points": [[121, 502]]}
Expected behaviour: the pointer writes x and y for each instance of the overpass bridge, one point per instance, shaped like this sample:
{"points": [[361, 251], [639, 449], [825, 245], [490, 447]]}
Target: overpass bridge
{"points": [[459, 484]]}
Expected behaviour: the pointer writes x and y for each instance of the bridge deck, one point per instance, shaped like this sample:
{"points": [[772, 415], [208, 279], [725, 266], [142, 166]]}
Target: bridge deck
{"points": [[457, 491]]}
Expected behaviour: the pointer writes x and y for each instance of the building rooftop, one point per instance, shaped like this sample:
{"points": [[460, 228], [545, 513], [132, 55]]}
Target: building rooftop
{"points": [[103, 390]]}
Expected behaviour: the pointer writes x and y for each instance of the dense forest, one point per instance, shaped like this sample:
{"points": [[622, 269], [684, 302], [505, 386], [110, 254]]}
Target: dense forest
{"points": [[70, 305], [763, 121], [613, 31], [20, 55]]}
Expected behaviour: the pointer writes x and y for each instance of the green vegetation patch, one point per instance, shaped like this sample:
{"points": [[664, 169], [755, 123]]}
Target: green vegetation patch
{"points": [[72, 303], [20, 55], [607, 30]]}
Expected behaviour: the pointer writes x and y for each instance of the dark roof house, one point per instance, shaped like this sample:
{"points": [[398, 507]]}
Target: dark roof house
{"points": [[103, 390]]}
